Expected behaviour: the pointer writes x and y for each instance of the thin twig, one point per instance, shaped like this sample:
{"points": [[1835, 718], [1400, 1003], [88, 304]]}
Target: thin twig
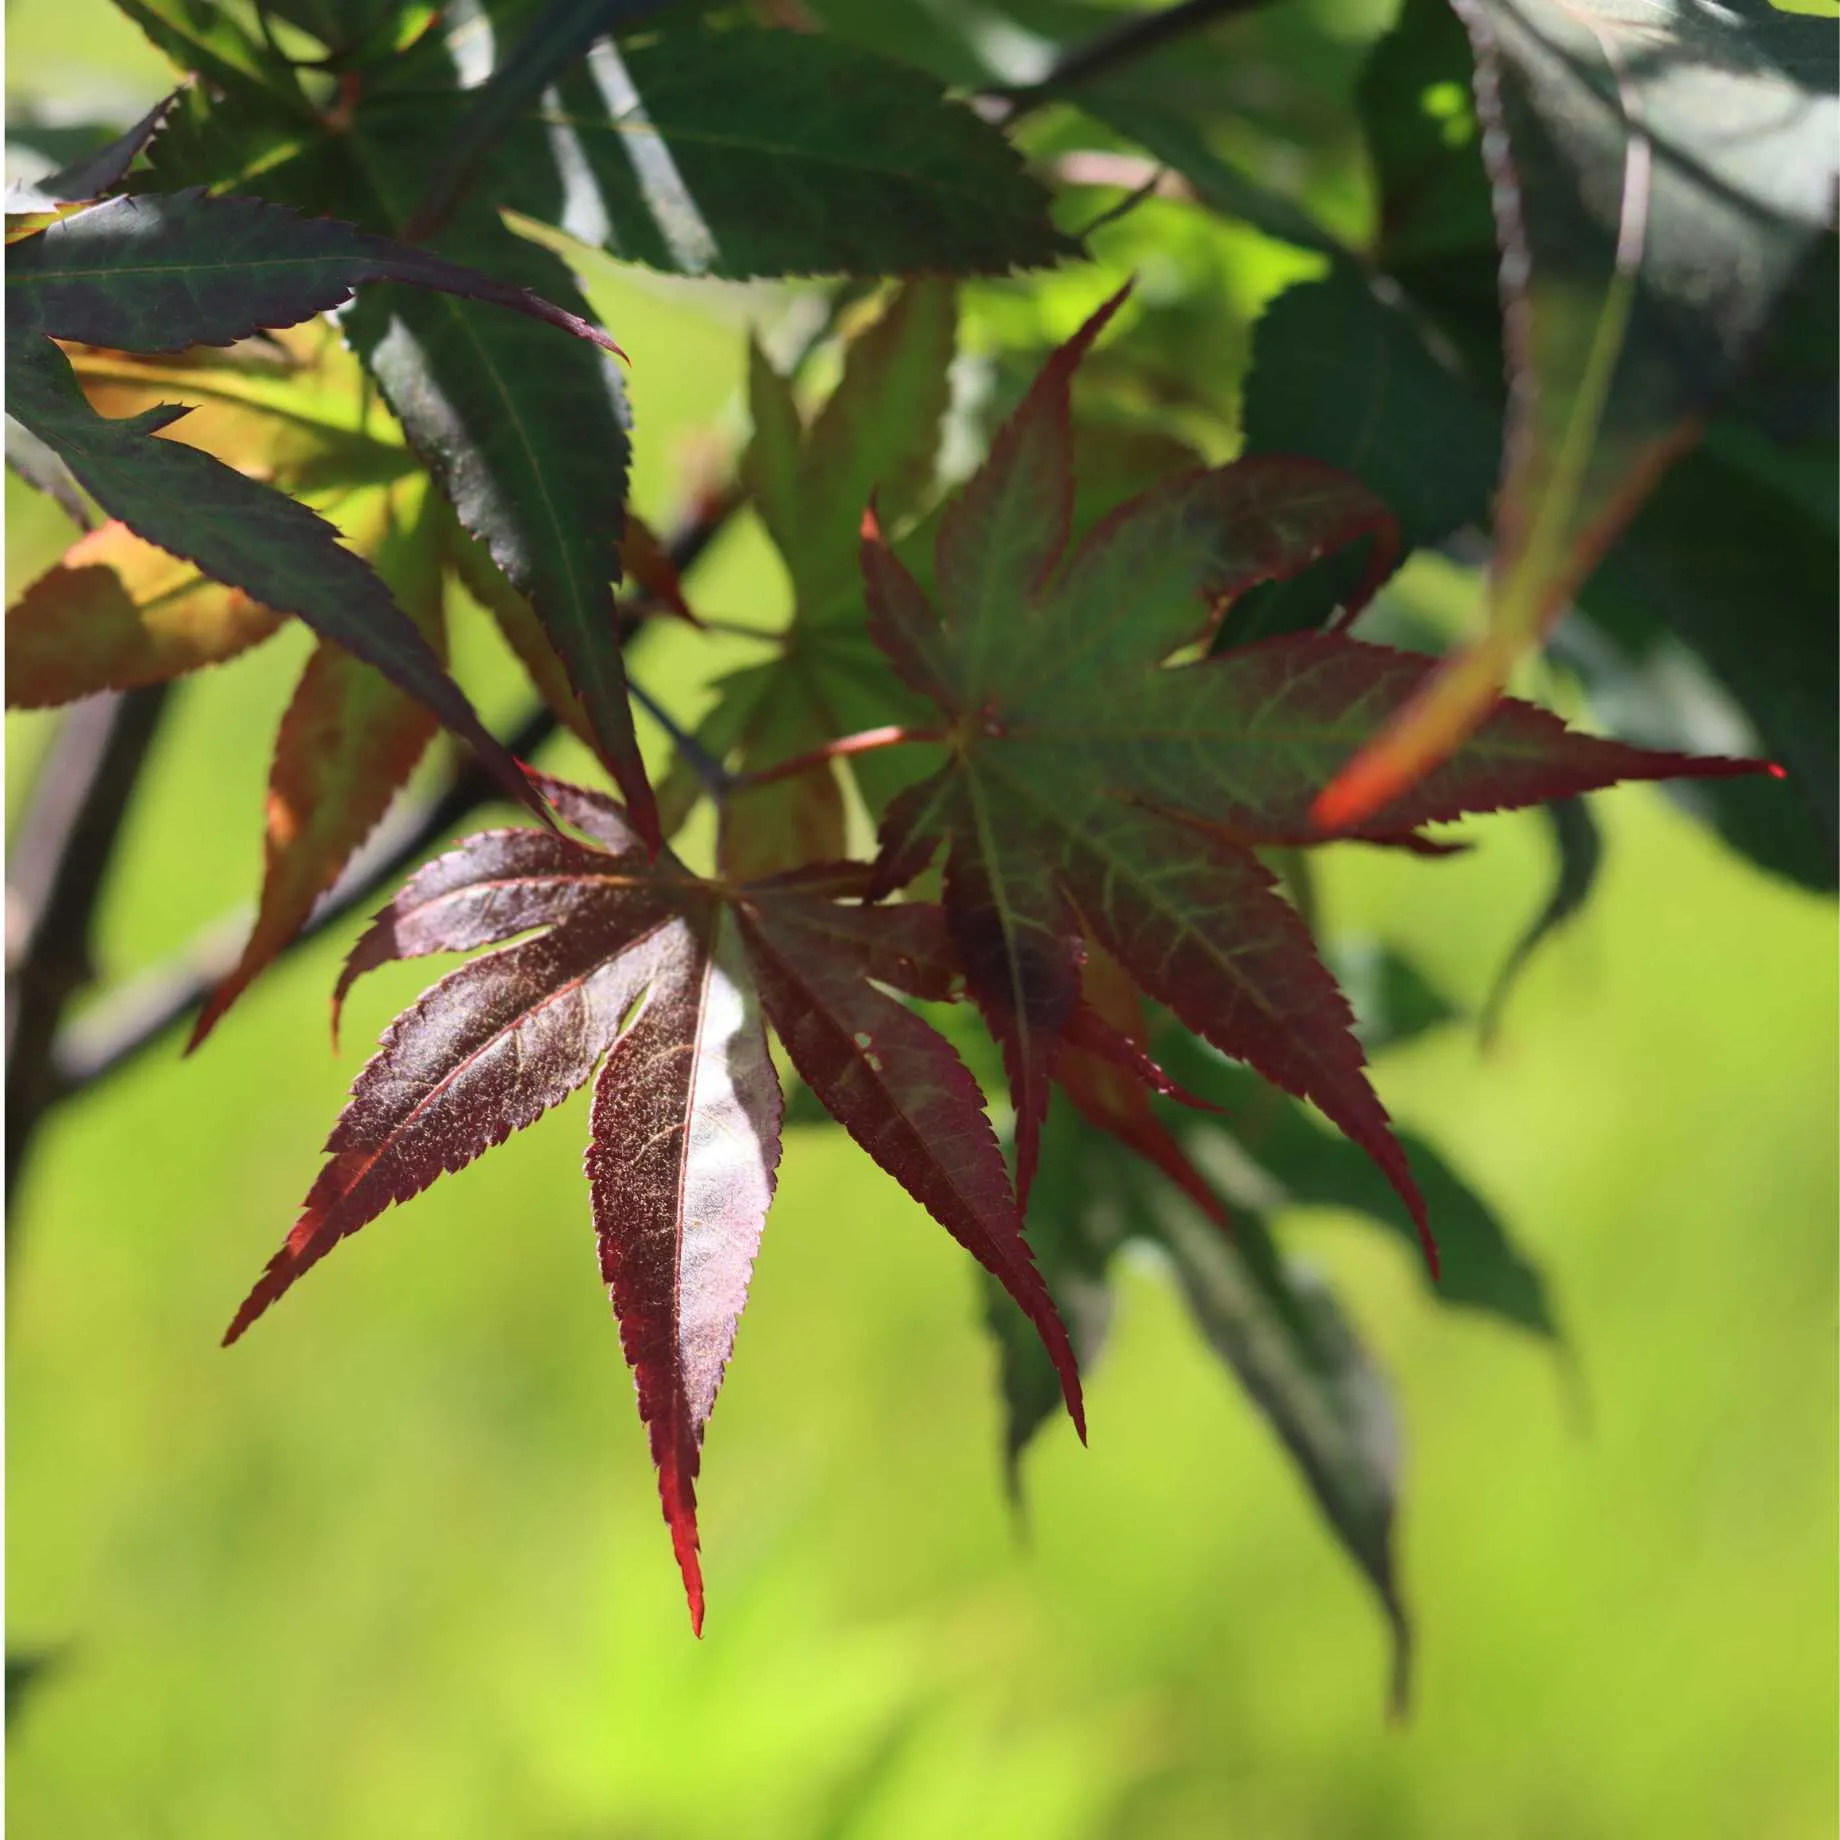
{"points": [[867, 742], [1155, 186], [1124, 43], [716, 778], [741, 629]]}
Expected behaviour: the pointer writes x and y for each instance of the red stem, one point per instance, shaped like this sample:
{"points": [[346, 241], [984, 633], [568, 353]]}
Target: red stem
{"points": [[865, 743]]}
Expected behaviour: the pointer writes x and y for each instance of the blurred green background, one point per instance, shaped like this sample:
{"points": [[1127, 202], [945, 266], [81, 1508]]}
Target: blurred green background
{"points": [[395, 1566]]}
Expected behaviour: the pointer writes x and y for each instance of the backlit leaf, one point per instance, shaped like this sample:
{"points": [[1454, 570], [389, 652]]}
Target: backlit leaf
{"points": [[347, 743], [628, 963], [1088, 785], [1659, 174], [876, 437], [117, 612]]}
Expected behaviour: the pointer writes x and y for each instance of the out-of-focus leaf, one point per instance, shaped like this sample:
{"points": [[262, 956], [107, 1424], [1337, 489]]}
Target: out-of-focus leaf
{"points": [[875, 438], [275, 550], [158, 272], [27, 1670], [302, 420], [1436, 235], [1274, 1326], [1346, 374], [1659, 175], [94, 173], [649, 566], [1745, 575], [1722, 529], [1285, 1157], [523, 631], [347, 743], [1073, 1242], [362, 32], [1580, 849], [117, 612], [1394, 1002], [743, 153], [1297, 1356], [1787, 392]]}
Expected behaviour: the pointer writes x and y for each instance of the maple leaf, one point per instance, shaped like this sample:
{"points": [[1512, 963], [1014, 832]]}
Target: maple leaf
{"points": [[738, 152], [1087, 785], [116, 612], [663, 981], [95, 172], [160, 271]]}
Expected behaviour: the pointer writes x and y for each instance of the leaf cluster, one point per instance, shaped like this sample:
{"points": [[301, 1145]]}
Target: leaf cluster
{"points": [[1055, 745]]}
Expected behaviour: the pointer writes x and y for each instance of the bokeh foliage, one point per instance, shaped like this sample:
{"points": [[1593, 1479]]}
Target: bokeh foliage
{"points": [[270, 1601]]}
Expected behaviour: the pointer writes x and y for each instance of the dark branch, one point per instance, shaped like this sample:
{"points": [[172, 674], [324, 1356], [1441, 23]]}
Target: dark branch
{"points": [[55, 878], [715, 777], [126, 1023]]}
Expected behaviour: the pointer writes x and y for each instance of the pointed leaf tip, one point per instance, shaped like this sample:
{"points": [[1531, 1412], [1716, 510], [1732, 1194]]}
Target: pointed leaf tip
{"points": [[680, 1517], [1452, 703]]}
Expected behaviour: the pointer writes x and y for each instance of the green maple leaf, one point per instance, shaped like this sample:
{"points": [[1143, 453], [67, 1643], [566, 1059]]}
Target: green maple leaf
{"points": [[1089, 788]]}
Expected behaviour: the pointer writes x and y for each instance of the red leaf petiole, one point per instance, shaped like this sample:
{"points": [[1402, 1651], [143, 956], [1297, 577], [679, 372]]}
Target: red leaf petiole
{"points": [[867, 742]]}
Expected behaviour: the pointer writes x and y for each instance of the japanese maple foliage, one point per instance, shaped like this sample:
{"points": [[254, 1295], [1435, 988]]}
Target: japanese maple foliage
{"points": [[661, 979], [1088, 790], [1087, 785], [309, 341]]}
